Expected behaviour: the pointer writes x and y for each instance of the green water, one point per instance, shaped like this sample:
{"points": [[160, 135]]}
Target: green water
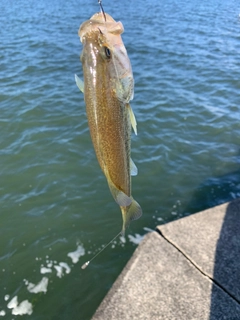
{"points": [[56, 209]]}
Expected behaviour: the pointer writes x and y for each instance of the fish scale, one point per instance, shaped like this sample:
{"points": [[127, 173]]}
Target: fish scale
{"points": [[108, 88]]}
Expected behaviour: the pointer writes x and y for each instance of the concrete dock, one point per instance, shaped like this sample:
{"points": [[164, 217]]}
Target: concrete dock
{"points": [[186, 269]]}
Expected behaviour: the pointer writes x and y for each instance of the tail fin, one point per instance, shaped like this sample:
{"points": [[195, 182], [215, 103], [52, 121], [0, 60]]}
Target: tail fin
{"points": [[130, 213]]}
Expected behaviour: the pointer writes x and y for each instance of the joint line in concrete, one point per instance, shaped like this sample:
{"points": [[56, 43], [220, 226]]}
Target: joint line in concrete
{"points": [[197, 267]]}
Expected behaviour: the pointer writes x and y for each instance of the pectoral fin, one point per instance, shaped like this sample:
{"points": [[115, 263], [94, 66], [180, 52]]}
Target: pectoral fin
{"points": [[79, 83], [132, 118], [124, 88], [133, 168]]}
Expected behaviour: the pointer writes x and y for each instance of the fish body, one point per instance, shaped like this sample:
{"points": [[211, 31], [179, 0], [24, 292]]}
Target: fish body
{"points": [[108, 88]]}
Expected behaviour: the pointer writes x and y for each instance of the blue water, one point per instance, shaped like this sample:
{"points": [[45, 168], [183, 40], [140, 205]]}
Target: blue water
{"points": [[56, 209]]}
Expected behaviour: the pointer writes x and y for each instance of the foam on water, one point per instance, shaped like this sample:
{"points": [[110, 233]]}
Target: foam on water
{"points": [[75, 255], [135, 239], [13, 303], [44, 270], [24, 307], [185, 60], [61, 269], [39, 287]]}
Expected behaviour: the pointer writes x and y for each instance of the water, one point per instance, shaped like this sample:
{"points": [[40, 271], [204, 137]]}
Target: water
{"points": [[56, 209]]}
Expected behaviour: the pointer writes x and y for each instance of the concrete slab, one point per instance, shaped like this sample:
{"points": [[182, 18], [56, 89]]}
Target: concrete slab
{"points": [[211, 240], [197, 235], [159, 282]]}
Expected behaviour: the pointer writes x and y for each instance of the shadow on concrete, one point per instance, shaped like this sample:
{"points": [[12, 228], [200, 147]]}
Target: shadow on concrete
{"points": [[226, 272]]}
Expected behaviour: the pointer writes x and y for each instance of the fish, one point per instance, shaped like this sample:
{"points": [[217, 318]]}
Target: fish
{"points": [[108, 88]]}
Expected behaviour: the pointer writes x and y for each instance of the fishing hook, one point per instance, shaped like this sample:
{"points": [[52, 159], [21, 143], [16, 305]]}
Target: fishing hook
{"points": [[100, 3]]}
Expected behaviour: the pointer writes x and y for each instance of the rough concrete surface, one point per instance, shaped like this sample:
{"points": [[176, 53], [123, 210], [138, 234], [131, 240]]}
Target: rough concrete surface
{"points": [[172, 276], [211, 240]]}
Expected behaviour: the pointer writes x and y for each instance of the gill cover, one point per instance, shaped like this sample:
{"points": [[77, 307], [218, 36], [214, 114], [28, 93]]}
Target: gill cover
{"points": [[107, 36]]}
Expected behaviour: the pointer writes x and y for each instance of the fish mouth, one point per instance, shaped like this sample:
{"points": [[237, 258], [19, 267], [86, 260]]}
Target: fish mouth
{"points": [[96, 22], [99, 17]]}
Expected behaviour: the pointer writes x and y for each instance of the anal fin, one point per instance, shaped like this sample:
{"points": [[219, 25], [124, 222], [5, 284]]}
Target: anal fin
{"points": [[119, 196], [122, 199], [79, 83], [132, 119], [133, 168]]}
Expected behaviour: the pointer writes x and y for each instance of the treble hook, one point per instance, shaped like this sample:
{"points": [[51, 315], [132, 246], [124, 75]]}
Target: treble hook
{"points": [[100, 3]]}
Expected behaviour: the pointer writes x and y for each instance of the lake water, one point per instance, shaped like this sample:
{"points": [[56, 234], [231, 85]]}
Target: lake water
{"points": [[56, 208]]}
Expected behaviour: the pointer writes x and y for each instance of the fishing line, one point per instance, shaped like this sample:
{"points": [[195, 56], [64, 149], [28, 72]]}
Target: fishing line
{"points": [[84, 266], [100, 3]]}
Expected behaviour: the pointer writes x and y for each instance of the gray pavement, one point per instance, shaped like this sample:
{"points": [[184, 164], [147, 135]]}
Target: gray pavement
{"points": [[187, 269]]}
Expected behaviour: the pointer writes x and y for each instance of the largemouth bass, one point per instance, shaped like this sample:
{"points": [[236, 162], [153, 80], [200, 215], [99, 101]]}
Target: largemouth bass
{"points": [[108, 88]]}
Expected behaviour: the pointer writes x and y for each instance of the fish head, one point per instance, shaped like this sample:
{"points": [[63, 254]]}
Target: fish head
{"points": [[104, 52]]}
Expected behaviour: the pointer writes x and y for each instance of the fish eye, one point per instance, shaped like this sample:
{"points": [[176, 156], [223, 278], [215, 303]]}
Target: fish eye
{"points": [[107, 52]]}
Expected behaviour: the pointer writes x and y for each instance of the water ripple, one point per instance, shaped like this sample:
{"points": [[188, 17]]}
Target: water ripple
{"points": [[185, 59]]}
